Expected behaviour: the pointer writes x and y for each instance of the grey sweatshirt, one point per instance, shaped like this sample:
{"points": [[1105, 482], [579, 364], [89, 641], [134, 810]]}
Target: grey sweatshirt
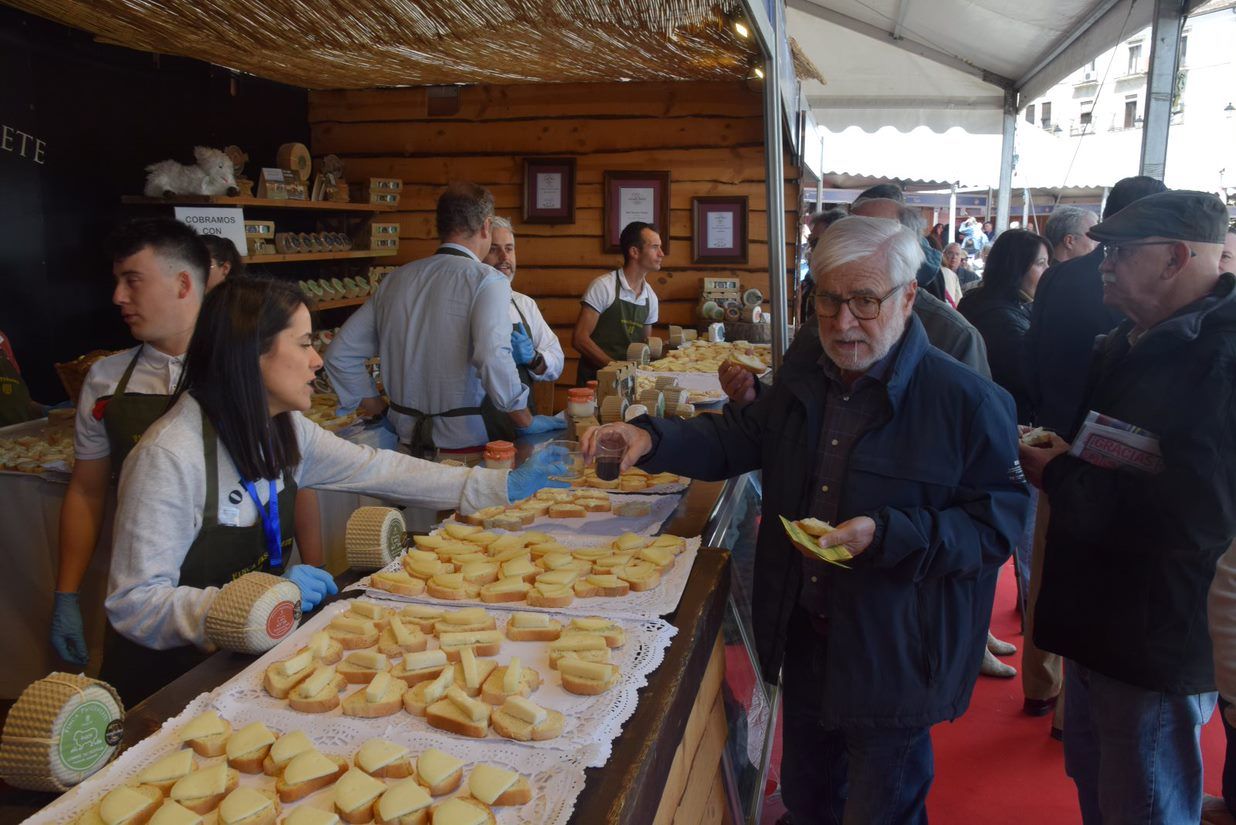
{"points": [[163, 493]]}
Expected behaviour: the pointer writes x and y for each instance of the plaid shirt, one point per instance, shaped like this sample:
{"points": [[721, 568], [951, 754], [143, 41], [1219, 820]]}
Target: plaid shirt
{"points": [[849, 411]]}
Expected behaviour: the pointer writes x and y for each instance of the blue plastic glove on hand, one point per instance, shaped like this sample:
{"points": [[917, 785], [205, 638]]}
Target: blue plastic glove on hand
{"points": [[522, 348], [543, 424], [315, 585], [535, 473], [67, 636]]}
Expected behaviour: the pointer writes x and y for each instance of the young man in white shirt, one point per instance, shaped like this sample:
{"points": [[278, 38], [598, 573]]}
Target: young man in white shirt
{"points": [[619, 307]]}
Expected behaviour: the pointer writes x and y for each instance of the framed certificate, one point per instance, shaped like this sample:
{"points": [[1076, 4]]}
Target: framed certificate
{"points": [[549, 190], [719, 230], [636, 196]]}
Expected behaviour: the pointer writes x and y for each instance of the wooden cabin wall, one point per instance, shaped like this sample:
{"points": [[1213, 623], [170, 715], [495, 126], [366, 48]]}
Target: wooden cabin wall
{"points": [[709, 136]]}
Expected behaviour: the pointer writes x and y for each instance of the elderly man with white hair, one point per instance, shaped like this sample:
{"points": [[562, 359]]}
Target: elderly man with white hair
{"points": [[1066, 231], [913, 456]]}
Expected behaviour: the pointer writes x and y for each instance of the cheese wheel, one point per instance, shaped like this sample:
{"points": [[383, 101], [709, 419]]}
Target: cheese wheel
{"points": [[253, 613], [753, 314], [295, 157], [665, 382], [374, 537], [612, 409], [654, 400], [62, 729], [752, 298], [655, 347], [638, 352]]}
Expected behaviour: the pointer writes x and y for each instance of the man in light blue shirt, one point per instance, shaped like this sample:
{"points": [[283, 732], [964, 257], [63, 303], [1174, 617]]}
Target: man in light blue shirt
{"points": [[440, 326]]}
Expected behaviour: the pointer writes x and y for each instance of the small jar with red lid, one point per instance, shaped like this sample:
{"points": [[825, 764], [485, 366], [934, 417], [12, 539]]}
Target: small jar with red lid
{"points": [[581, 402], [500, 455]]}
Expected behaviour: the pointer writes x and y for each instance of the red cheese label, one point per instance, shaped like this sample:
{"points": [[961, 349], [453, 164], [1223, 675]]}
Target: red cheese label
{"points": [[281, 620]]}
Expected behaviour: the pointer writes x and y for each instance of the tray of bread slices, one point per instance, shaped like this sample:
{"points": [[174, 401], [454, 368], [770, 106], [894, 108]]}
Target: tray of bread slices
{"points": [[458, 564], [540, 679], [238, 766], [633, 480], [579, 510]]}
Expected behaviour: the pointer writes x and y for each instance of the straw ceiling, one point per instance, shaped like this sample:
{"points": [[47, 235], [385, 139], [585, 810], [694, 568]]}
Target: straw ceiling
{"points": [[365, 43]]}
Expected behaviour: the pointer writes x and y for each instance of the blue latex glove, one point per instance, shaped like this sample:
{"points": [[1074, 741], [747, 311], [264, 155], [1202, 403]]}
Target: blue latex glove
{"points": [[535, 473], [67, 636], [543, 424], [522, 348], [315, 585]]}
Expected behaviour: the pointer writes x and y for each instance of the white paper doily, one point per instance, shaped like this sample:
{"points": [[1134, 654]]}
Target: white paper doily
{"points": [[591, 722], [610, 525], [557, 777], [647, 604]]}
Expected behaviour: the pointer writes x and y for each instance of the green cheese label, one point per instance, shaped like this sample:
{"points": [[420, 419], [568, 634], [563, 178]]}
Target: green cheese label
{"points": [[83, 739]]}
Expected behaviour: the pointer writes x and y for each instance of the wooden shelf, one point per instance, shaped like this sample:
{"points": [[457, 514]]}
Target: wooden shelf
{"points": [[265, 203], [254, 260], [341, 302]]}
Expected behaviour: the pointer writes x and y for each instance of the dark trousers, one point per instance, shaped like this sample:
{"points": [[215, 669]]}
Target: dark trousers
{"points": [[847, 776]]}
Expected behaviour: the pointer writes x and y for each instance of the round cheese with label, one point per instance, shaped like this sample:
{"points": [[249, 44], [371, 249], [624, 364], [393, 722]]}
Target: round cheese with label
{"points": [[253, 613], [374, 537]]}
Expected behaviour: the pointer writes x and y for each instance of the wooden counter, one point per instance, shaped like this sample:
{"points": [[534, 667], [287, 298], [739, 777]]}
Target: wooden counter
{"points": [[665, 764]]}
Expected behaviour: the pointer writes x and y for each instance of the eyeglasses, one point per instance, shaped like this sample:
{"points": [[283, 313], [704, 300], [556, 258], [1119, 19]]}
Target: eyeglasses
{"points": [[1112, 251], [862, 307]]}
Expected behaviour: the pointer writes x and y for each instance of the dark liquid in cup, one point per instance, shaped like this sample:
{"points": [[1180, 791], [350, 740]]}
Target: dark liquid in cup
{"points": [[608, 469]]}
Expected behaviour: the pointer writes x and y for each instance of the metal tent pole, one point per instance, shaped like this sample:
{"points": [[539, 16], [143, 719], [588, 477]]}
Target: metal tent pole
{"points": [[952, 214], [1006, 161], [775, 166], [1161, 85]]}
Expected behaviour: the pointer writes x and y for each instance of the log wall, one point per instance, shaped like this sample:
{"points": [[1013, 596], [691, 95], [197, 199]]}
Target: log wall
{"points": [[709, 136]]}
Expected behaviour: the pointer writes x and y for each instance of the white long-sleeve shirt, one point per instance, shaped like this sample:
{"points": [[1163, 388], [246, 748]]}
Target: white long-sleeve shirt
{"points": [[163, 495], [441, 326], [156, 373], [542, 336], [1221, 610]]}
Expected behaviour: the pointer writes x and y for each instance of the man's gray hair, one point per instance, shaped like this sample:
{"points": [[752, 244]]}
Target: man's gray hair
{"points": [[857, 238], [1066, 220], [499, 222]]}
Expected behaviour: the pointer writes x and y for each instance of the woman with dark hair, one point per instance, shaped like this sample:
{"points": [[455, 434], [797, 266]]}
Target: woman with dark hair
{"points": [[999, 308], [225, 261], [208, 492]]}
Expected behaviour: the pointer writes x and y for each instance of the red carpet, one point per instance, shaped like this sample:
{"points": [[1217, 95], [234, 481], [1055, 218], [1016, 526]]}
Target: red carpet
{"points": [[996, 764]]}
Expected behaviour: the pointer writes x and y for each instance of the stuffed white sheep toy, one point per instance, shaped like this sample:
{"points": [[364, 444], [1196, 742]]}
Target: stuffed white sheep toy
{"points": [[214, 174]]}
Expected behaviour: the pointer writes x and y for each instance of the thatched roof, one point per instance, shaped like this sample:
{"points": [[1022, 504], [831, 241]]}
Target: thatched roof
{"points": [[321, 44]]}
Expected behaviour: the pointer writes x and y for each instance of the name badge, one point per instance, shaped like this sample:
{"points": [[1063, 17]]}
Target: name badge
{"points": [[229, 516]]}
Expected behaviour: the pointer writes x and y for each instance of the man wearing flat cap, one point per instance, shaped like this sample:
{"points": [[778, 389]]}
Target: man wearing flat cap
{"points": [[1130, 554]]}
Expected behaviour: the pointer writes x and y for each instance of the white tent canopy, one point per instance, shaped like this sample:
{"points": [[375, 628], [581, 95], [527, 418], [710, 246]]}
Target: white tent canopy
{"points": [[945, 63]]}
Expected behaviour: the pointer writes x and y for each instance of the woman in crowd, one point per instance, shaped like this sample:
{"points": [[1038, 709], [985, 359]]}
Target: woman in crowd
{"points": [[225, 261], [209, 491]]}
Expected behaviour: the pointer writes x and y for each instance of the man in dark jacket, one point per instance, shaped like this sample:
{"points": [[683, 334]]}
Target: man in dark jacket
{"points": [[1067, 315], [1130, 554], [913, 456]]}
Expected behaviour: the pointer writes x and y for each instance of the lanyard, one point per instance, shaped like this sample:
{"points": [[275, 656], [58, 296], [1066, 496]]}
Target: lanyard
{"points": [[270, 522]]}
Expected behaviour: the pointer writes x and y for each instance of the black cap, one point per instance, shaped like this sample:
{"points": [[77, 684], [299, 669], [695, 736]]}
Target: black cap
{"points": [[1179, 215]]}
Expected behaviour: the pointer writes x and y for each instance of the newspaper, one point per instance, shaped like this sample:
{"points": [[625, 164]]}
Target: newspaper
{"points": [[1109, 442]]}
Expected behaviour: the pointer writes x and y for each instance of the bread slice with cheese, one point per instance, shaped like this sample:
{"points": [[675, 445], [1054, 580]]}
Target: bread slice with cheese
{"points": [[281, 677], [326, 651], [498, 787], [423, 694], [438, 772], [675, 543], [470, 618], [749, 363], [127, 806], [482, 642], [525, 721], [613, 633], [423, 616], [168, 771], [429, 542], [594, 504], [171, 813], [352, 633], [514, 679], [420, 667], [451, 587], [382, 759], [360, 666], [305, 815], [458, 531], [548, 595], [586, 678], [356, 793], [601, 584], [471, 672], [525, 626], [307, 773], [382, 696], [640, 575], [565, 510], [247, 748], [248, 806], [423, 568], [404, 803], [510, 589], [207, 734], [660, 557], [319, 693], [462, 810], [203, 790], [399, 638], [480, 515], [460, 714], [399, 582], [286, 748], [587, 646]]}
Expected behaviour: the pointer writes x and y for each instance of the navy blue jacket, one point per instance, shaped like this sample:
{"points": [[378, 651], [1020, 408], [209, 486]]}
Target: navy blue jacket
{"points": [[908, 624]]}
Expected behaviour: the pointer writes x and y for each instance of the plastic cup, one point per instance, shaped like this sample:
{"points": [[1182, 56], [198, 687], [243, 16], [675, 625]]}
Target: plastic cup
{"points": [[574, 458], [611, 444]]}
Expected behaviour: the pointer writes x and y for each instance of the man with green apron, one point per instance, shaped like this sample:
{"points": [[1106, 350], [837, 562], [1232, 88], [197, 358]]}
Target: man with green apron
{"points": [[534, 346], [619, 308], [160, 268], [15, 403], [442, 330]]}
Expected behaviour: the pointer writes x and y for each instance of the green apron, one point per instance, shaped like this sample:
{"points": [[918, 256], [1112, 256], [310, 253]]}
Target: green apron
{"points": [[497, 423], [128, 415], [420, 443], [620, 325], [218, 555], [14, 396]]}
